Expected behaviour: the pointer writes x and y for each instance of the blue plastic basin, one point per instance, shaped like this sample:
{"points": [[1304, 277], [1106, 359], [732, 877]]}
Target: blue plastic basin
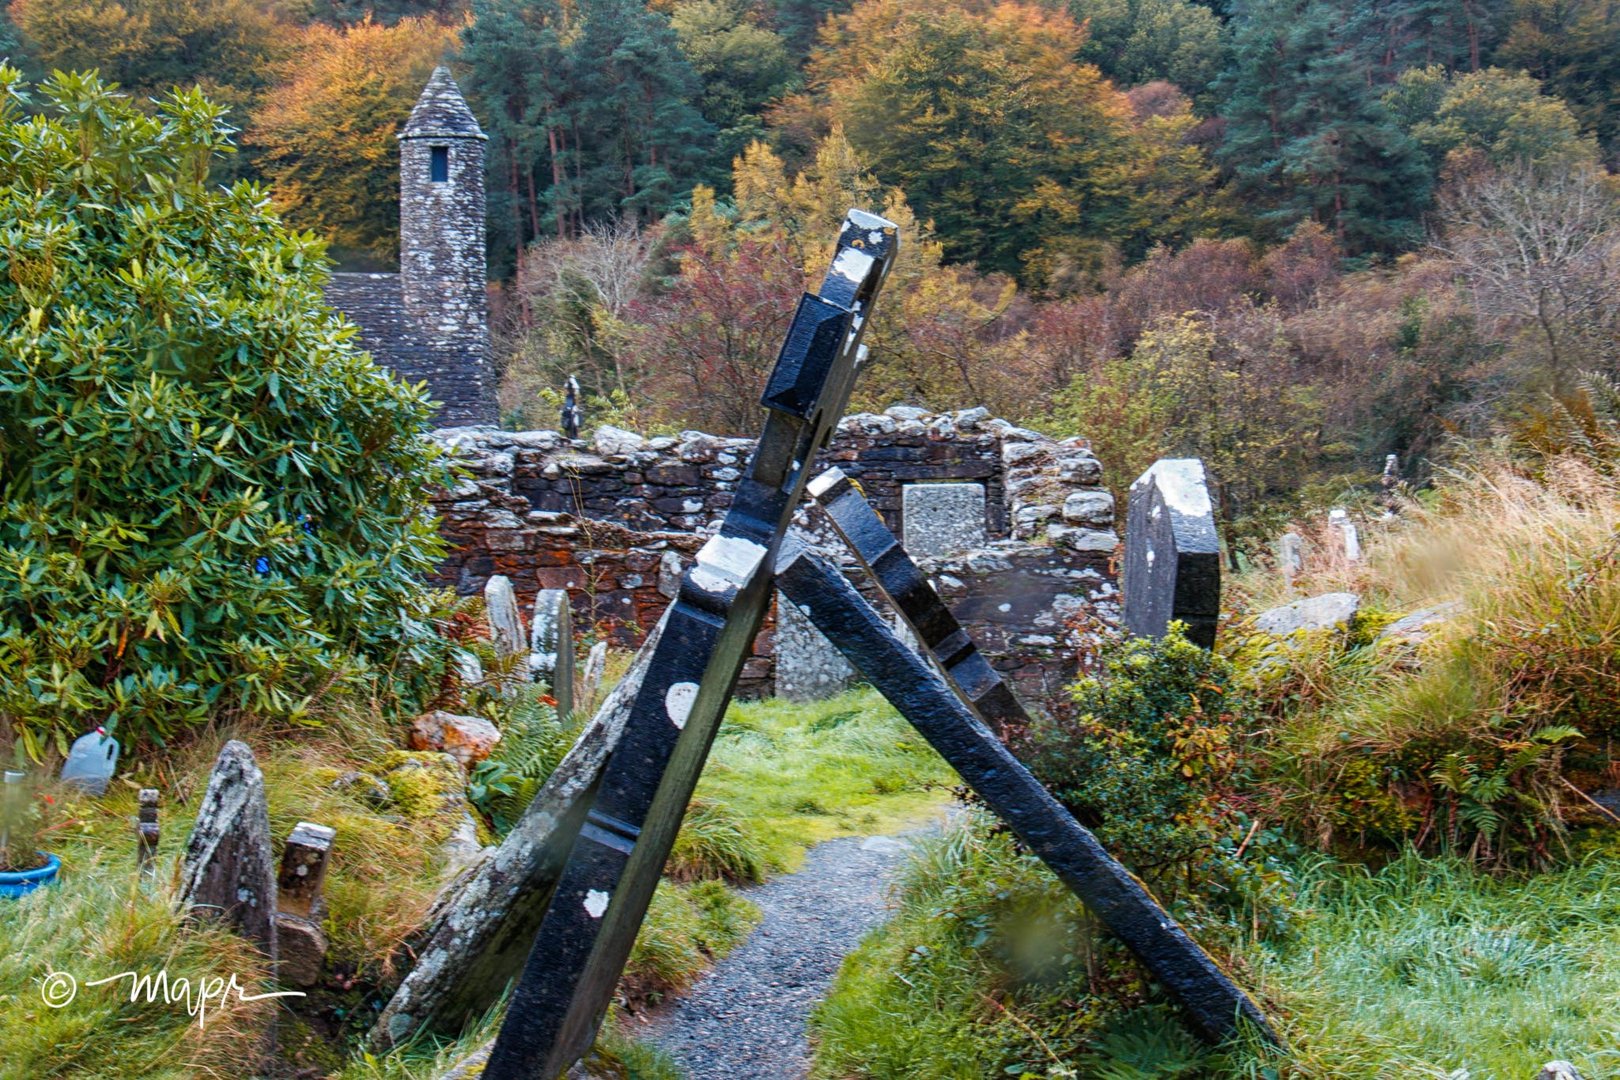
{"points": [[20, 882]]}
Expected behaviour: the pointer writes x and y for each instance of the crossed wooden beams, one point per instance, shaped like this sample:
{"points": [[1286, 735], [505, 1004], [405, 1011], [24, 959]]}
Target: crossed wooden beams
{"points": [[616, 860]]}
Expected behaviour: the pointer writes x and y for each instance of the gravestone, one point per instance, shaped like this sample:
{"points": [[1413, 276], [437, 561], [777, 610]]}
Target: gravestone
{"points": [[300, 940], [942, 519], [551, 647], [808, 668], [1291, 553], [1172, 553], [1339, 518], [228, 873], [505, 626], [590, 682]]}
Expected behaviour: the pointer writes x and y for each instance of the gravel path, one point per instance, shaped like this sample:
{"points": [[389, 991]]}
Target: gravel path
{"points": [[745, 1019]]}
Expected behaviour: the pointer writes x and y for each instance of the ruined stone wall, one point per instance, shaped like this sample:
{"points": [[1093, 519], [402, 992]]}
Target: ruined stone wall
{"points": [[616, 521]]}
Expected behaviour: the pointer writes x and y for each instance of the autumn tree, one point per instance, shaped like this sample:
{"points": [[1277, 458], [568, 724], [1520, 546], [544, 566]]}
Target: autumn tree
{"points": [[1573, 47], [1021, 156], [1497, 117], [327, 133], [1539, 251], [573, 309], [1218, 387], [227, 46]]}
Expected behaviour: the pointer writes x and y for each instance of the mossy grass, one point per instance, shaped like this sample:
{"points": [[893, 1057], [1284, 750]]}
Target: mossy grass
{"points": [[801, 773]]}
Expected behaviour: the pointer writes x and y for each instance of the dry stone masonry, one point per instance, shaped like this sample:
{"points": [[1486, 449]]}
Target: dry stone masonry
{"points": [[615, 521]]}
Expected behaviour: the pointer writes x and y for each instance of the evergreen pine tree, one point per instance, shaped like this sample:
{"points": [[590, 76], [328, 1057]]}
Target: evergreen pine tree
{"points": [[1307, 133]]}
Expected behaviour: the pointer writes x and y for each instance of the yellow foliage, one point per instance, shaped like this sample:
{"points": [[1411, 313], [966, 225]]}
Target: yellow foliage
{"points": [[327, 131]]}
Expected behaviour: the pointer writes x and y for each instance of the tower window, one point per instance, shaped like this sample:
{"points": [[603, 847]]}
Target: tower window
{"points": [[439, 164]]}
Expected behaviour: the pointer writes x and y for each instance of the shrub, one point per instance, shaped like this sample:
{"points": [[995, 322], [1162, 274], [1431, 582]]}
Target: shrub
{"points": [[209, 497], [1151, 762]]}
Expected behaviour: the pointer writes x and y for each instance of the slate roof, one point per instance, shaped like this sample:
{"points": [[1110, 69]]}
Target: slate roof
{"points": [[441, 112]]}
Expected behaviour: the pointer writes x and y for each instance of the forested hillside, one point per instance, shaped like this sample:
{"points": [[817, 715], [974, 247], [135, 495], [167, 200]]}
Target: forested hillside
{"points": [[1288, 236]]}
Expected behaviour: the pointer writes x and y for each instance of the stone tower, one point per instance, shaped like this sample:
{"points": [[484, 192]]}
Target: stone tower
{"points": [[442, 272]]}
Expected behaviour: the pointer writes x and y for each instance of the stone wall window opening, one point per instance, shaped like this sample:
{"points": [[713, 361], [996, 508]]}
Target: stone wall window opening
{"points": [[439, 164]]}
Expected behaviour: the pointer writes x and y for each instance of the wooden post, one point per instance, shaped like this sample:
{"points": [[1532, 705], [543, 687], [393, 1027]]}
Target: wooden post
{"points": [[146, 834]]}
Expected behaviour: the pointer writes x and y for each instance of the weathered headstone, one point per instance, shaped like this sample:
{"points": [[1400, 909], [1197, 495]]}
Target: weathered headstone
{"points": [[551, 646], [942, 519], [146, 833], [1172, 553], [228, 872], [506, 627], [808, 668], [590, 683], [1339, 518], [299, 907], [476, 937], [1291, 553], [91, 762]]}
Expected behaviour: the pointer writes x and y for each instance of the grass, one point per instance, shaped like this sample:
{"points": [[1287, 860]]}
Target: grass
{"points": [[1425, 968], [97, 922], [1428, 967], [798, 774], [1466, 742]]}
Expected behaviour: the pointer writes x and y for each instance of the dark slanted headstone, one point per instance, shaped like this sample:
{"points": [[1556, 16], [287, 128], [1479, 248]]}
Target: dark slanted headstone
{"points": [[228, 872], [551, 647], [299, 907], [478, 933], [1172, 553], [579, 953], [146, 833]]}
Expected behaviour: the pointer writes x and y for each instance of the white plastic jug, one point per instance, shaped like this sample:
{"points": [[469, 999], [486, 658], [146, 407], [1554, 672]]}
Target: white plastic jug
{"points": [[91, 762]]}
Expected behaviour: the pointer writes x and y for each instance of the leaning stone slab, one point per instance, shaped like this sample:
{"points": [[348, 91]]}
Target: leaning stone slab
{"points": [[1313, 613], [942, 519], [505, 620], [551, 646], [228, 872], [480, 930], [1172, 553]]}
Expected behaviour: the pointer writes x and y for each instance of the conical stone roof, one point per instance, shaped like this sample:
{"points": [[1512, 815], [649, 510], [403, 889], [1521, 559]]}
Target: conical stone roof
{"points": [[441, 112]]}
